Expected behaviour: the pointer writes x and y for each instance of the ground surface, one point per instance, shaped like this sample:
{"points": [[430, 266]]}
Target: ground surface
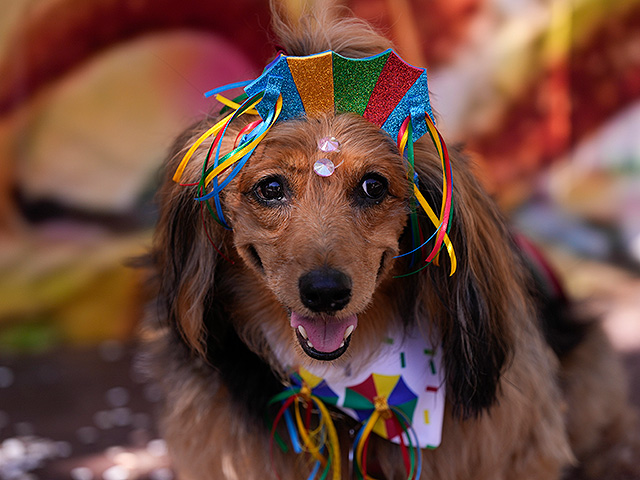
{"points": [[81, 414]]}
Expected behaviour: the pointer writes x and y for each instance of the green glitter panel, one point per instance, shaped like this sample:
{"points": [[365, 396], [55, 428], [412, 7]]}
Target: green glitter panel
{"points": [[354, 80]]}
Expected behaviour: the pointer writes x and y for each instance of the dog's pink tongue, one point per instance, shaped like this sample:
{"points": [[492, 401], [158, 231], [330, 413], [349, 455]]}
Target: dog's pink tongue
{"points": [[325, 334]]}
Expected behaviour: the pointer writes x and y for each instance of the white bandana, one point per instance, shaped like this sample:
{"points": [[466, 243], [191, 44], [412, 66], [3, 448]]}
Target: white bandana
{"points": [[406, 375]]}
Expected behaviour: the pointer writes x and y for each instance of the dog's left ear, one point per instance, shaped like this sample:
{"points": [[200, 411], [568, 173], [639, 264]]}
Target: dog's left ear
{"points": [[473, 309], [184, 257]]}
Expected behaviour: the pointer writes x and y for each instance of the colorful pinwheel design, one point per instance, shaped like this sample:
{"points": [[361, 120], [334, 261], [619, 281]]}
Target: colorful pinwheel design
{"points": [[318, 386], [378, 390]]}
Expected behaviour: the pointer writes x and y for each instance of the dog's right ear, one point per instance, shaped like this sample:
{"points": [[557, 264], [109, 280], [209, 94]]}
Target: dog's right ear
{"points": [[475, 309], [185, 261]]}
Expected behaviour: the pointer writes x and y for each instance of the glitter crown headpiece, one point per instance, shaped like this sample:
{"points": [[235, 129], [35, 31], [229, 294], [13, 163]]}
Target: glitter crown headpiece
{"points": [[382, 88]]}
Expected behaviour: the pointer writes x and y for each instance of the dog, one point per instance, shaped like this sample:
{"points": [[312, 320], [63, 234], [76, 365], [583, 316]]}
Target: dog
{"points": [[532, 390]]}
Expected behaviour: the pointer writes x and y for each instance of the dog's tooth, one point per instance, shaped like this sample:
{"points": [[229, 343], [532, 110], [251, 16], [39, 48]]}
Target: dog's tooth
{"points": [[349, 331], [341, 345], [303, 332], [309, 344]]}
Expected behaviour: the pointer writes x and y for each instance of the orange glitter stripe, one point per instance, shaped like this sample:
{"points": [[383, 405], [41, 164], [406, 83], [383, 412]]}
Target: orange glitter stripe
{"points": [[313, 77]]}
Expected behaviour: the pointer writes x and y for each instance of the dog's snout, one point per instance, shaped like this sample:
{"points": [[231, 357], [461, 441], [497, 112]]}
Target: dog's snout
{"points": [[325, 290]]}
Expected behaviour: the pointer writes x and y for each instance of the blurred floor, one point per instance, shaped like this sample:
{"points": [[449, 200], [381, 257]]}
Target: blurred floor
{"points": [[81, 414]]}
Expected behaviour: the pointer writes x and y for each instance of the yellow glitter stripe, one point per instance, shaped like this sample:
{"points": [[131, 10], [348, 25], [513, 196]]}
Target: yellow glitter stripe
{"points": [[313, 77]]}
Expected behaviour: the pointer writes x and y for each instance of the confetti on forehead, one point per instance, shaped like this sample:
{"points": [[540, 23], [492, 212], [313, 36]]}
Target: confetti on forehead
{"points": [[329, 144], [324, 167]]}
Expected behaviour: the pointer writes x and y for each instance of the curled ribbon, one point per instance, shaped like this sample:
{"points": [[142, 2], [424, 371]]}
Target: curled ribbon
{"points": [[411, 454], [442, 222], [320, 442], [238, 156]]}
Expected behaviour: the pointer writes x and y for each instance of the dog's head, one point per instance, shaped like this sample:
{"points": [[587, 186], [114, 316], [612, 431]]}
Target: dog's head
{"points": [[321, 245], [310, 260]]}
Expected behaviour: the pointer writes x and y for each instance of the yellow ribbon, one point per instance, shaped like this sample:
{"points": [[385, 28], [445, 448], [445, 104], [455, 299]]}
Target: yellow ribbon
{"points": [[437, 221], [246, 148], [212, 131], [436, 141], [314, 447], [234, 105], [368, 428]]}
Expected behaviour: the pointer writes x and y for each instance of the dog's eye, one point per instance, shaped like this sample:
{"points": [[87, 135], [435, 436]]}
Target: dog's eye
{"points": [[270, 189], [373, 187]]}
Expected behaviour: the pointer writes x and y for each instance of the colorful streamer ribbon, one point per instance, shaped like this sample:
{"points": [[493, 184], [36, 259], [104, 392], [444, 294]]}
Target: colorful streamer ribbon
{"points": [[411, 453], [442, 222], [320, 442]]}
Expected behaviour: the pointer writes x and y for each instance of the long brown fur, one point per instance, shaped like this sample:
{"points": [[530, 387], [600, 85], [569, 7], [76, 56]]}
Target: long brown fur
{"points": [[219, 327]]}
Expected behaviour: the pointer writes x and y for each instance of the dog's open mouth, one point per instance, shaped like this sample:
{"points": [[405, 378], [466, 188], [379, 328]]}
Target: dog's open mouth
{"points": [[324, 337]]}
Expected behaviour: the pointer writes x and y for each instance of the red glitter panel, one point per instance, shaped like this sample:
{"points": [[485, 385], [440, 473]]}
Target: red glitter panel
{"points": [[395, 80]]}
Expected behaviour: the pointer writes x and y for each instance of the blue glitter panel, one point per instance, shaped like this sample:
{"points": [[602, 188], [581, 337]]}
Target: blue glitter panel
{"points": [[417, 97], [272, 90], [418, 118], [291, 102]]}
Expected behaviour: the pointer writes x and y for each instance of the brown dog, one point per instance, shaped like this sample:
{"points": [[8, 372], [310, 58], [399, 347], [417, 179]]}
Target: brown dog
{"points": [[531, 392]]}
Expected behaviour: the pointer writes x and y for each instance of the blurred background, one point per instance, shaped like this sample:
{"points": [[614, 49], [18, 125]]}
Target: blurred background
{"points": [[544, 93]]}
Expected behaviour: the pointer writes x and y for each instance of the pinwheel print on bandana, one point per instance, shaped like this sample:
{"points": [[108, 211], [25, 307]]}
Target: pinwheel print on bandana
{"points": [[383, 404], [383, 89], [382, 392]]}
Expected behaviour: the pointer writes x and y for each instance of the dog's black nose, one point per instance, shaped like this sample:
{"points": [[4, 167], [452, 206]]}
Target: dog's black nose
{"points": [[325, 290]]}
